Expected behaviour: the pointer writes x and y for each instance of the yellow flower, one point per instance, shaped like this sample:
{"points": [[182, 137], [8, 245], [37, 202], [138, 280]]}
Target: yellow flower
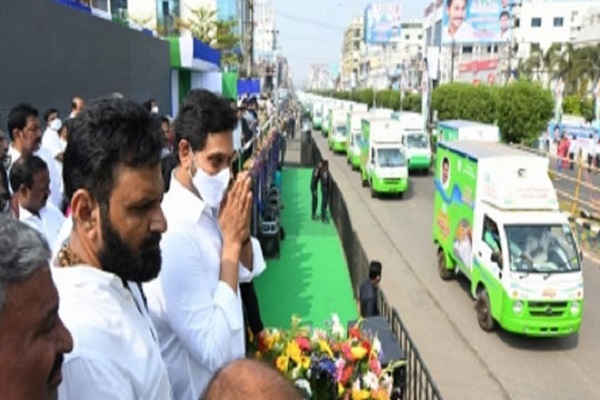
{"points": [[305, 362], [340, 389], [293, 351], [275, 336], [282, 363], [360, 394], [324, 347], [358, 352], [258, 355]]}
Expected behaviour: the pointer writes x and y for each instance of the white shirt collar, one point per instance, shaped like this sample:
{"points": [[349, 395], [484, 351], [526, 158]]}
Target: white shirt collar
{"points": [[185, 203]]}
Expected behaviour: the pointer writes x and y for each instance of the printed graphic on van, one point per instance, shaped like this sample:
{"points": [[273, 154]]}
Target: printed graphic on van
{"points": [[455, 182]]}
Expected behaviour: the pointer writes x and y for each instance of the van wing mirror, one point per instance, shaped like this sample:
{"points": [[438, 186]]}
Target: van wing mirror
{"points": [[495, 257]]}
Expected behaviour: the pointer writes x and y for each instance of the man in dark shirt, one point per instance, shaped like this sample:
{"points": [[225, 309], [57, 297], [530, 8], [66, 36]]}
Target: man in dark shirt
{"points": [[326, 186], [314, 183], [368, 291]]}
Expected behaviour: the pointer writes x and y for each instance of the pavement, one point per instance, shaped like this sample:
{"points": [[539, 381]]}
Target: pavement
{"points": [[465, 362]]}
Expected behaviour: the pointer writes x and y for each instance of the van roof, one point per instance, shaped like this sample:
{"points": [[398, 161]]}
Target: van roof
{"points": [[481, 149], [460, 123]]}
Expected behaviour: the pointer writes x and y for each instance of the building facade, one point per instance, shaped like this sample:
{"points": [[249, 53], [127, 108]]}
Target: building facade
{"points": [[536, 26], [162, 16], [353, 41], [398, 62], [264, 31]]}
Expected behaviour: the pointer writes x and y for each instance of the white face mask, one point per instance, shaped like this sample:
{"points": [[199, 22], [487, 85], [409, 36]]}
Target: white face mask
{"points": [[56, 125], [212, 188], [155, 110]]}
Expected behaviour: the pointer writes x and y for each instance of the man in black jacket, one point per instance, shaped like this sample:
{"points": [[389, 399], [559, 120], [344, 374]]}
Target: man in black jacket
{"points": [[314, 184], [326, 189], [368, 291]]}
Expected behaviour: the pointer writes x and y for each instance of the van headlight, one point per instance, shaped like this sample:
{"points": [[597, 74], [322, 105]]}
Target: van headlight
{"points": [[575, 308], [517, 307]]}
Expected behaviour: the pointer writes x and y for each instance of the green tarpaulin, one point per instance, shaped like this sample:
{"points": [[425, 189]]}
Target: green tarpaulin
{"points": [[229, 85]]}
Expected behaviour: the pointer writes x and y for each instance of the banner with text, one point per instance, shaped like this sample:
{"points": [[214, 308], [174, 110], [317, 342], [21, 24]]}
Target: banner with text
{"points": [[382, 23]]}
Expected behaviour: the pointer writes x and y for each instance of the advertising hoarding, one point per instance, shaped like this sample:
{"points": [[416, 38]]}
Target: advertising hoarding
{"points": [[382, 23], [476, 21]]}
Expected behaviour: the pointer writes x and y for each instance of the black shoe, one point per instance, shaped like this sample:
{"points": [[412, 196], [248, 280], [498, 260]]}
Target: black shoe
{"points": [[325, 220], [314, 217]]}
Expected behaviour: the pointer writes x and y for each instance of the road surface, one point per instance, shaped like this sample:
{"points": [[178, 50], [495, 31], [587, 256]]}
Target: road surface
{"points": [[466, 362]]}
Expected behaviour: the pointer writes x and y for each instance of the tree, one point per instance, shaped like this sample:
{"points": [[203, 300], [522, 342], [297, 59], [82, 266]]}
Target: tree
{"points": [[227, 41], [524, 109], [202, 24], [220, 35]]}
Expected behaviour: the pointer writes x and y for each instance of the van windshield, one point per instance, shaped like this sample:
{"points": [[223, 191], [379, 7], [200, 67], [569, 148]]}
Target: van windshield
{"points": [[542, 248], [340, 130], [388, 158], [417, 141]]}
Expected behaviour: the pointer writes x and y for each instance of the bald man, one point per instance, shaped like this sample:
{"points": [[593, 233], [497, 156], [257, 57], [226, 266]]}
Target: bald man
{"points": [[76, 106], [250, 379]]}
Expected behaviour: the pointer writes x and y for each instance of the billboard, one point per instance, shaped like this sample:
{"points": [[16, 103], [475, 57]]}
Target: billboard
{"points": [[382, 23], [476, 21]]}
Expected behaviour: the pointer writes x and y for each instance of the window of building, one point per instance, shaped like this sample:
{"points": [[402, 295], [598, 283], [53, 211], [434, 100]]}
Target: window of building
{"points": [[535, 47], [517, 22], [467, 49], [536, 22], [357, 33], [167, 11], [558, 22], [492, 49], [420, 37], [406, 37], [356, 45]]}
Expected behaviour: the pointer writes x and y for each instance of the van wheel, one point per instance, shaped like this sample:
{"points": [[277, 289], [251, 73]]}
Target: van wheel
{"points": [[365, 182], [484, 311], [445, 273], [373, 193], [400, 195]]}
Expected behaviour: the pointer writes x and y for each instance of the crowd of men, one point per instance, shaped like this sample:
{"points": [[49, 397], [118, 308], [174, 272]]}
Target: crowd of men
{"points": [[125, 246]]}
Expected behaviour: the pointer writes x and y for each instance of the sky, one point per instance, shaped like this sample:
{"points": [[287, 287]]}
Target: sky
{"points": [[311, 31]]}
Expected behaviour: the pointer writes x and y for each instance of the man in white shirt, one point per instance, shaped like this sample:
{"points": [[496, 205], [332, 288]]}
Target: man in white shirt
{"points": [[25, 133], [114, 183], [30, 182], [195, 302], [574, 148], [33, 339]]}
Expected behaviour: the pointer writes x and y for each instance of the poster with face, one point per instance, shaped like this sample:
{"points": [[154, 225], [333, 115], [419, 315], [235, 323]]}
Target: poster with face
{"points": [[476, 21]]}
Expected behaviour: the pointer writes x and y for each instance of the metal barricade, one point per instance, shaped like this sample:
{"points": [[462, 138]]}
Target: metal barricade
{"points": [[419, 382]]}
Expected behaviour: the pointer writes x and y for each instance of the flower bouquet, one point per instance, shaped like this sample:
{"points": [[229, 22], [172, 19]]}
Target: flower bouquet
{"points": [[329, 364]]}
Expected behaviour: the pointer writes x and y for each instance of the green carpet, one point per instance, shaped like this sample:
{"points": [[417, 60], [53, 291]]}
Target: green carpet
{"points": [[311, 278]]}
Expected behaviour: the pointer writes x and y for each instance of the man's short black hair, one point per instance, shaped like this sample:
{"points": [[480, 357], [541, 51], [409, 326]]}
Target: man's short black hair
{"points": [[49, 112], [504, 14], [109, 134], [375, 268], [202, 113], [17, 117], [446, 161], [23, 171]]}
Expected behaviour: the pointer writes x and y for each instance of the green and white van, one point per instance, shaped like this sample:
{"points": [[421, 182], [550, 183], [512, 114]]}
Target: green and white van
{"points": [[338, 132], [497, 222], [382, 157], [448, 131], [415, 140], [353, 138], [317, 114]]}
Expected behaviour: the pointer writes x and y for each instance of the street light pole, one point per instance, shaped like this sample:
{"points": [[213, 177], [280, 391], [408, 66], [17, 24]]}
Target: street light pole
{"points": [[452, 61], [511, 6]]}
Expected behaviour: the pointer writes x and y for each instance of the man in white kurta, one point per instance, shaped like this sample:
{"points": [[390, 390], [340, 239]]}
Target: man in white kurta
{"points": [[199, 319]]}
